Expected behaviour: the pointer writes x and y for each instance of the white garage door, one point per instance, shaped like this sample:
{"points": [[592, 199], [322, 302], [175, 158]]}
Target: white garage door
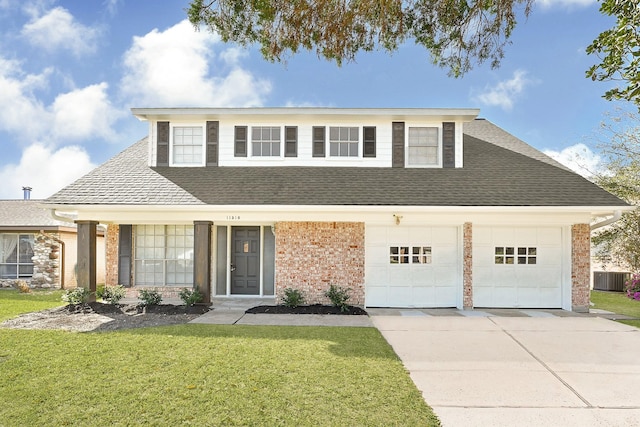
{"points": [[517, 267], [411, 266]]}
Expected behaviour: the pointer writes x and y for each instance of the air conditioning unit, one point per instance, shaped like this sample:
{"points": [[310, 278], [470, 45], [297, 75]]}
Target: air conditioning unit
{"points": [[610, 281]]}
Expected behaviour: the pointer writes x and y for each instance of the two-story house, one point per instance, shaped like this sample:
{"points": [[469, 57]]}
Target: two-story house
{"points": [[405, 207]]}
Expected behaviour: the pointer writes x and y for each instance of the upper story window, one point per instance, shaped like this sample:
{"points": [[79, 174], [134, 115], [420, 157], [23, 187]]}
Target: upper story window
{"points": [[16, 251], [343, 141], [188, 143], [265, 141], [423, 146]]}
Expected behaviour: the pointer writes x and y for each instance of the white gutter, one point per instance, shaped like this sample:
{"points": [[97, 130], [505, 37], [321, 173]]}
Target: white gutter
{"points": [[616, 216], [57, 217]]}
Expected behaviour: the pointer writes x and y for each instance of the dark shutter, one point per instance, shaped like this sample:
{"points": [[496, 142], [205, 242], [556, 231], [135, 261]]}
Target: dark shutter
{"points": [[212, 143], [318, 141], [124, 254], [240, 141], [369, 141], [162, 152], [448, 144], [291, 141], [397, 142]]}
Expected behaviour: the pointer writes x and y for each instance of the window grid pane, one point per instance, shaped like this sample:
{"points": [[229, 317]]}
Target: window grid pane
{"points": [[423, 146], [16, 253], [164, 255], [187, 145], [265, 141], [515, 255], [343, 141]]}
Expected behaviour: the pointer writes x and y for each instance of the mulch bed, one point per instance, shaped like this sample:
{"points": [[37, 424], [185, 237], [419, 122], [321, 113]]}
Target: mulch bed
{"points": [[133, 309], [305, 309]]}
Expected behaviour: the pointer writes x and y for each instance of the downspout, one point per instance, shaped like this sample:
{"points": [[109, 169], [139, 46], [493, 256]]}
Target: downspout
{"points": [[616, 216], [63, 259]]}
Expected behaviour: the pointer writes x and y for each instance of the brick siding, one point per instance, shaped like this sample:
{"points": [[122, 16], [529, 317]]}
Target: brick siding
{"points": [[467, 272], [580, 267], [111, 255], [311, 256]]}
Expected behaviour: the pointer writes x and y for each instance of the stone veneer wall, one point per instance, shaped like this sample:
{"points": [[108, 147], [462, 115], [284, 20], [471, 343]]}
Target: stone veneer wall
{"points": [[580, 267], [311, 256], [111, 255], [467, 269]]}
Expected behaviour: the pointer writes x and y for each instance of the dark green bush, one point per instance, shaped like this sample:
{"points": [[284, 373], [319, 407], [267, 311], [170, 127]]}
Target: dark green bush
{"points": [[338, 296], [149, 297], [292, 298]]}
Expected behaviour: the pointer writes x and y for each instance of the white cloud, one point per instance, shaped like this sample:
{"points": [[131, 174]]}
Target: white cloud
{"points": [[578, 158], [58, 30], [505, 93], [17, 101], [84, 113], [548, 4], [44, 169], [177, 67]]}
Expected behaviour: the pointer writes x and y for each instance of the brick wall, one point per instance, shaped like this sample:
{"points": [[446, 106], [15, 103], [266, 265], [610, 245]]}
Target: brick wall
{"points": [[467, 269], [311, 256], [580, 267], [111, 255]]}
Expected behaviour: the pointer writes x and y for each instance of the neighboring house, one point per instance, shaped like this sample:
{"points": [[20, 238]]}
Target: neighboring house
{"points": [[37, 248], [405, 207]]}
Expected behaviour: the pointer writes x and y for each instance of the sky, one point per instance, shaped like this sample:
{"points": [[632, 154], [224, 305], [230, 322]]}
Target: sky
{"points": [[70, 71]]}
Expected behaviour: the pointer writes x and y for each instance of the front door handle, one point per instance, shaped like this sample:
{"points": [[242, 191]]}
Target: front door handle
{"points": [[233, 267]]}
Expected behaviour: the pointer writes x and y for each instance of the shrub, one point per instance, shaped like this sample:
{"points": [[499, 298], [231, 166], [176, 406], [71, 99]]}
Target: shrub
{"points": [[149, 297], [338, 296], [100, 291], [76, 296], [113, 294], [22, 286], [633, 287], [292, 298], [190, 296]]}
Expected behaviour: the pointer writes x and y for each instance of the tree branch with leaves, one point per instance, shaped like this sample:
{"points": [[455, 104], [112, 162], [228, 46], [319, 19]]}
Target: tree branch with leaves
{"points": [[457, 33]]}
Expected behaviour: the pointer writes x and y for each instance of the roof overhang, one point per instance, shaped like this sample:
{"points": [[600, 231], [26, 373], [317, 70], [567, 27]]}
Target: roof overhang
{"points": [[394, 114]]}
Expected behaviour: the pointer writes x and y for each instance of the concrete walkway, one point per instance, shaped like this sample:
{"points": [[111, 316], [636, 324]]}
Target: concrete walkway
{"points": [[521, 371]]}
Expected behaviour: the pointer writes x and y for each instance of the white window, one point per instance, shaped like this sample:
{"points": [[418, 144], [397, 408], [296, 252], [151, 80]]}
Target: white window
{"points": [[188, 146], [514, 255], [16, 251], [423, 146], [410, 254], [343, 141], [164, 255], [265, 141]]}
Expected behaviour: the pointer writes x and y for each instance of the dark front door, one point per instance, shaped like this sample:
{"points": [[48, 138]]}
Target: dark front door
{"points": [[245, 260]]}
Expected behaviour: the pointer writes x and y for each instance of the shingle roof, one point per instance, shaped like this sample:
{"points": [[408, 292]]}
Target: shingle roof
{"points": [[503, 172], [27, 213]]}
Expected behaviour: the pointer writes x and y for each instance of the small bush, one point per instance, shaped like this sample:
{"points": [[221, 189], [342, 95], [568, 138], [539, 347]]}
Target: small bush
{"points": [[190, 296], [292, 298], [100, 291], [633, 287], [22, 287], [76, 296], [149, 297], [338, 296], [113, 294]]}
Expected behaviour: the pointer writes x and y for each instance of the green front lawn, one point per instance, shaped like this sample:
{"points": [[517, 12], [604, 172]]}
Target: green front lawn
{"points": [[13, 303], [205, 375], [619, 303]]}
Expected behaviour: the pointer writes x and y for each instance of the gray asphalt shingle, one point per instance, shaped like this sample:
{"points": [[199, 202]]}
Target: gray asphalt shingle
{"points": [[502, 172]]}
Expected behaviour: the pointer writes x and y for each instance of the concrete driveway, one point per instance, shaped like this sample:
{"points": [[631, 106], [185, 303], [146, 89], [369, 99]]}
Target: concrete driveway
{"points": [[521, 371]]}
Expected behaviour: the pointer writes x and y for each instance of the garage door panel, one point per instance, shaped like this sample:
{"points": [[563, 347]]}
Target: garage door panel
{"points": [[377, 295], [535, 278], [432, 263]]}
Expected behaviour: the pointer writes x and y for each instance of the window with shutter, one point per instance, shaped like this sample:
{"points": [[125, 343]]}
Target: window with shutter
{"points": [[291, 141], [319, 135], [240, 149], [369, 141], [265, 141]]}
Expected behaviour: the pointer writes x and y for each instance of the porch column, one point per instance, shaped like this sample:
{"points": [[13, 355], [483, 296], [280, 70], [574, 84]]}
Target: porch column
{"points": [[202, 258], [580, 267], [86, 267]]}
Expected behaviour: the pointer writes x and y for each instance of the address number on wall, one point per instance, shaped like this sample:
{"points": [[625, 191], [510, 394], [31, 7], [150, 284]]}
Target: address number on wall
{"points": [[233, 217]]}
